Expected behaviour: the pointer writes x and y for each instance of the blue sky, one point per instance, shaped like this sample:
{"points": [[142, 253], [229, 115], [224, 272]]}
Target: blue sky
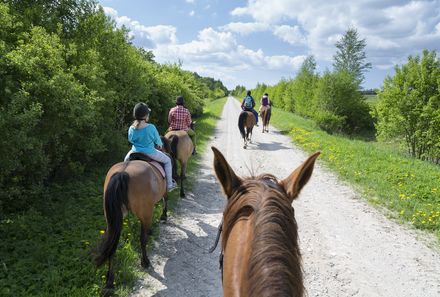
{"points": [[246, 42]]}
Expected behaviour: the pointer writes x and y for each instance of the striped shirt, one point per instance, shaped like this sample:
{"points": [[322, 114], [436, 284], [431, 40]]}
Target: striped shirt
{"points": [[179, 118]]}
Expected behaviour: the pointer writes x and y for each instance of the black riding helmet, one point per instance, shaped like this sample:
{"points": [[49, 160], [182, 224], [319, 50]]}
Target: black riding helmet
{"points": [[140, 111], [179, 100]]}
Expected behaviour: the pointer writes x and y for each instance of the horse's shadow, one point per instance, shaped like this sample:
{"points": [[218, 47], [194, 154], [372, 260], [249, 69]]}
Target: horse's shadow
{"points": [[269, 146]]}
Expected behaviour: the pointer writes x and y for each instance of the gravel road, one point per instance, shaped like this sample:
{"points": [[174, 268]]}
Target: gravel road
{"points": [[349, 248]]}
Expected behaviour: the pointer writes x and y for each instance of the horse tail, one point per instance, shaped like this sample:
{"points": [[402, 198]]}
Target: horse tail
{"points": [[174, 143], [241, 121], [114, 198]]}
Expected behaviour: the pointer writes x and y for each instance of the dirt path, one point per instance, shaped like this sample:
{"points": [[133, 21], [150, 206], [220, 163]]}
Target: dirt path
{"points": [[348, 247]]}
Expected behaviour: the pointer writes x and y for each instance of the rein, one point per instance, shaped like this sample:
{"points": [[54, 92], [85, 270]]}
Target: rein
{"points": [[214, 246]]}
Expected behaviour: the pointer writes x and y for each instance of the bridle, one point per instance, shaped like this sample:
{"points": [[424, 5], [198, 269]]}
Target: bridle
{"points": [[214, 246]]}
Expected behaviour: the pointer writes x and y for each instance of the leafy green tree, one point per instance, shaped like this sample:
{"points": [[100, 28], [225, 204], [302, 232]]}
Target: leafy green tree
{"points": [[303, 88], [340, 105], [409, 106], [350, 55]]}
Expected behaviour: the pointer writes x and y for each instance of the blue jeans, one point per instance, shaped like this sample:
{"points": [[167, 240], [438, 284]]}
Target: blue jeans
{"points": [[254, 112], [161, 158]]}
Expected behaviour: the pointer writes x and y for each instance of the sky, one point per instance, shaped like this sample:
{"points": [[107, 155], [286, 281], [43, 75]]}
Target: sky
{"points": [[264, 41]]}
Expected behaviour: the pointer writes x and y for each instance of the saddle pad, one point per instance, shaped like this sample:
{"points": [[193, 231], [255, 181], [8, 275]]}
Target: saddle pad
{"points": [[159, 167], [143, 157]]}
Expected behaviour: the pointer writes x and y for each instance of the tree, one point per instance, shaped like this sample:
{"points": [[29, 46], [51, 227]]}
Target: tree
{"points": [[350, 55], [409, 106], [303, 88]]}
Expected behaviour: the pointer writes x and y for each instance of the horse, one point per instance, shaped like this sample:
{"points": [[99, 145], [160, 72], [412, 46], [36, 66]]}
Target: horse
{"points": [[181, 149], [134, 186], [246, 122], [260, 252], [266, 112]]}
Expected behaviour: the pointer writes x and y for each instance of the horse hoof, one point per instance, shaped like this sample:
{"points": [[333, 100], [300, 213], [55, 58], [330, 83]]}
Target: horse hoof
{"points": [[182, 195], [108, 291], [145, 263], [163, 218]]}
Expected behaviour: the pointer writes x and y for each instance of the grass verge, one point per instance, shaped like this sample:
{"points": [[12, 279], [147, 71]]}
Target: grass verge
{"points": [[45, 251], [406, 186]]}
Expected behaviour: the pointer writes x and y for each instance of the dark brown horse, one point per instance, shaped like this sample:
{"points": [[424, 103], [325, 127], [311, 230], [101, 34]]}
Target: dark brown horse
{"points": [[134, 186], [181, 149], [266, 112], [260, 252], [246, 122]]}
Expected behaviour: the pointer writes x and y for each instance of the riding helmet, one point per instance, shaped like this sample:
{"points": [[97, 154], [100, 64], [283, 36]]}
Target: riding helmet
{"points": [[179, 100], [140, 111]]}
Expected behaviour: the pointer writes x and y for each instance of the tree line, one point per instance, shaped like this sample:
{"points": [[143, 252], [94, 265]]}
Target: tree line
{"points": [[408, 109], [69, 79]]}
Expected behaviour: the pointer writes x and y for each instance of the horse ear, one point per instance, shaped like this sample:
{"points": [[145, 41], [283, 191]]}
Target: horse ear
{"points": [[299, 177], [225, 175]]}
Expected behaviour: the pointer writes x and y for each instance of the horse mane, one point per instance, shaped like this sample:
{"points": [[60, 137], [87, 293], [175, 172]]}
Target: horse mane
{"points": [[275, 260]]}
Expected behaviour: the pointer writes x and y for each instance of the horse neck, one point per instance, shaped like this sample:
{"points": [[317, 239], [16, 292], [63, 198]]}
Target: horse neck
{"points": [[261, 253], [236, 257], [275, 262]]}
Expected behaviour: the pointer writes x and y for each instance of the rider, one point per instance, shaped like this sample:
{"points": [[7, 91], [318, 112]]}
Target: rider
{"points": [[144, 136], [179, 118], [264, 102], [248, 104]]}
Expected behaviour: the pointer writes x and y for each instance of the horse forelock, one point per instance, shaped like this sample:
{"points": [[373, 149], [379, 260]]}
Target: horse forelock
{"points": [[275, 260]]}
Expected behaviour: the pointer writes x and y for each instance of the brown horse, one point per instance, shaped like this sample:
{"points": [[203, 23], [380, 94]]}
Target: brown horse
{"points": [[266, 112], [134, 186], [260, 252], [246, 122], [181, 150]]}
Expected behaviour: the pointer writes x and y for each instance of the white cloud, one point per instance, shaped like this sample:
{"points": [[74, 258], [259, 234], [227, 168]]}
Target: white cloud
{"points": [[290, 34], [189, 1], [160, 34], [192, 13], [394, 28], [245, 28]]}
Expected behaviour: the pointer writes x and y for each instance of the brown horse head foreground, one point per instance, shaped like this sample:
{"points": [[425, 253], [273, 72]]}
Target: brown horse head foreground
{"points": [[246, 122], [181, 148], [261, 256], [266, 112], [134, 186]]}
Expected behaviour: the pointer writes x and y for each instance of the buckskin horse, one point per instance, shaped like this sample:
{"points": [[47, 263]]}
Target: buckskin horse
{"points": [[260, 253], [134, 186], [246, 122], [266, 112], [181, 149]]}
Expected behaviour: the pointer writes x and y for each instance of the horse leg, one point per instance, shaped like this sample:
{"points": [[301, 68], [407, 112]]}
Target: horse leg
{"points": [[145, 262], [109, 288], [164, 215], [182, 175]]}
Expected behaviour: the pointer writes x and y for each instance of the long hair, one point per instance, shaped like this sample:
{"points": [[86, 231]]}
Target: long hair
{"points": [[275, 260], [241, 121], [114, 198]]}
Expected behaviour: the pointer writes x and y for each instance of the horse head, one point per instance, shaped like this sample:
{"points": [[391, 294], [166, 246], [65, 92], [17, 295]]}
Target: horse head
{"points": [[260, 248]]}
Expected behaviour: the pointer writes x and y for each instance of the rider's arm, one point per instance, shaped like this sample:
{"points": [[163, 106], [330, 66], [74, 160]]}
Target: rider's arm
{"points": [[157, 139], [188, 120], [170, 115]]}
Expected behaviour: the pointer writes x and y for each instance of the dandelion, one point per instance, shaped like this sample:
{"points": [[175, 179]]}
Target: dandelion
{"points": [[102, 231]]}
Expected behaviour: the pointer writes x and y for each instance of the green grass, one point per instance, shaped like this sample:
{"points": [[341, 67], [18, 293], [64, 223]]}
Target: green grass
{"points": [[408, 187], [45, 251]]}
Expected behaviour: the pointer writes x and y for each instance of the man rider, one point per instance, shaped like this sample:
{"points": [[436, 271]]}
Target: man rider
{"points": [[179, 118], [248, 104]]}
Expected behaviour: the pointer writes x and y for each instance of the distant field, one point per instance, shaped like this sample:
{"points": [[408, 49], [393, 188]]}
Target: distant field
{"points": [[371, 99]]}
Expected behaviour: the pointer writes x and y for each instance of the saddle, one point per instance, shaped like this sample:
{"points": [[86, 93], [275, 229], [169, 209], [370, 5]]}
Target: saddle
{"points": [[143, 157]]}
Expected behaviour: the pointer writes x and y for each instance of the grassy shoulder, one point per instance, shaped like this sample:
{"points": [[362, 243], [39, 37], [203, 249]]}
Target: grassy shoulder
{"points": [[45, 251], [406, 186]]}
